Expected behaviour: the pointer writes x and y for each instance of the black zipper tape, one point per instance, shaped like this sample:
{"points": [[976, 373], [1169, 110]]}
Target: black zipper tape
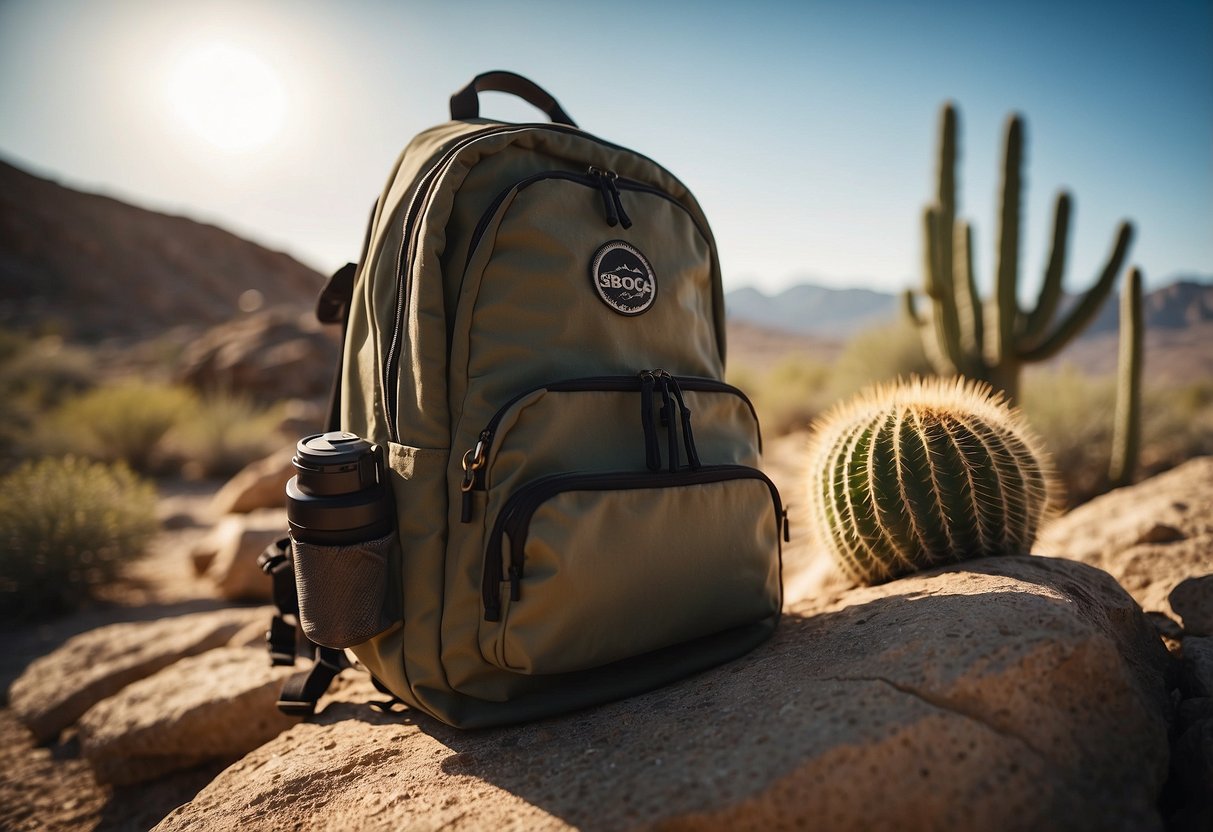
{"points": [[515, 517], [644, 382]]}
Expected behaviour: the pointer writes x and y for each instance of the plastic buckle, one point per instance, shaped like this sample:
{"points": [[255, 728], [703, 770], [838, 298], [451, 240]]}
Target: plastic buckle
{"points": [[291, 708], [281, 640], [274, 555]]}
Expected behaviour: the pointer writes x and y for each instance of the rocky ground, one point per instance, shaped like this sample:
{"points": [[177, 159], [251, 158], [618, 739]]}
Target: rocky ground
{"points": [[1014, 693]]}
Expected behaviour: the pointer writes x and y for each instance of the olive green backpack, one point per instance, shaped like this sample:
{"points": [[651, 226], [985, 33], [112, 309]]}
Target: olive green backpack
{"points": [[535, 335]]}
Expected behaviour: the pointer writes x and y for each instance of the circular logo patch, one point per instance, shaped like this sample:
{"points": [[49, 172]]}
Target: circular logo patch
{"points": [[623, 278]]}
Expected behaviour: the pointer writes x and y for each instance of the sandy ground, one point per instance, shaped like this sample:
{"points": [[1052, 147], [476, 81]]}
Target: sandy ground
{"points": [[52, 787]]}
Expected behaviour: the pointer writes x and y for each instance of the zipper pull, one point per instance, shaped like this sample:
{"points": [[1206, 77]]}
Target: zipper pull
{"points": [[668, 419], [609, 202], [624, 219], [652, 450], [688, 438], [473, 461]]}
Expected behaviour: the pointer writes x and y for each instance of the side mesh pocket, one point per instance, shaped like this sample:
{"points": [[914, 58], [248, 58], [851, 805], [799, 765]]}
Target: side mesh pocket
{"points": [[343, 590]]}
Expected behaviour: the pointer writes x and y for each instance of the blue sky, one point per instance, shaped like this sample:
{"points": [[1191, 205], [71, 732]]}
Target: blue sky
{"points": [[806, 130]]}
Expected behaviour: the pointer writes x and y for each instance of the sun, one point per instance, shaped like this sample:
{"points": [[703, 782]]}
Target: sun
{"points": [[226, 95]]}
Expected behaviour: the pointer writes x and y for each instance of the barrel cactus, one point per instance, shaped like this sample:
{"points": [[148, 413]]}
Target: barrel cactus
{"points": [[918, 474]]}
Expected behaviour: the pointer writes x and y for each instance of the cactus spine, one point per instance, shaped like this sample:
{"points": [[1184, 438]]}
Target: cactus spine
{"points": [[991, 341], [909, 476], [1126, 439]]}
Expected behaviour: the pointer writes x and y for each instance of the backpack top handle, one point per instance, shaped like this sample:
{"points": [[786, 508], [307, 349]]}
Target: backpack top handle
{"points": [[465, 104]]}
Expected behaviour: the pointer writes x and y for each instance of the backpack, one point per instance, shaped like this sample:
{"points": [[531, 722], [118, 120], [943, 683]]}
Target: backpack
{"points": [[534, 340]]}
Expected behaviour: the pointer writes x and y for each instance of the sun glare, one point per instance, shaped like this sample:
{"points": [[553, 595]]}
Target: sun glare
{"points": [[228, 96]]}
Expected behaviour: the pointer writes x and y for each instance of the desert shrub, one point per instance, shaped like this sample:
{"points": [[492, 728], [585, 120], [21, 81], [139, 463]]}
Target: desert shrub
{"points": [[221, 434], [1072, 413], [67, 526], [882, 353], [122, 422], [35, 376], [45, 372], [163, 429], [788, 395], [1177, 424]]}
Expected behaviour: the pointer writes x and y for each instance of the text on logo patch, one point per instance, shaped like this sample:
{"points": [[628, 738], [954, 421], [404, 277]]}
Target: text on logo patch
{"points": [[623, 278]]}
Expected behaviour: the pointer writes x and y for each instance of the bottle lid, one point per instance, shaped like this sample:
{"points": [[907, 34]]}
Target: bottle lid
{"points": [[336, 447]]}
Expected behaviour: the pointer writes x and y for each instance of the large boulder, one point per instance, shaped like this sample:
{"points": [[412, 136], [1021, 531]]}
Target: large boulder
{"points": [[230, 554], [270, 355], [56, 689], [260, 484], [1152, 538], [216, 705], [1011, 693]]}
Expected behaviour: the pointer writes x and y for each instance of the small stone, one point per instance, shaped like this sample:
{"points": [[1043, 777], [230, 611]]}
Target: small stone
{"points": [[1192, 600], [1161, 533], [1196, 666], [1166, 626]]}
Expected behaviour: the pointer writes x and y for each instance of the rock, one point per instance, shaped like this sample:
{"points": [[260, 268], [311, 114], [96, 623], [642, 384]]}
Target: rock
{"points": [[270, 355], [217, 705], [1193, 775], [56, 689], [1192, 600], [1197, 666], [1120, 533], [237, 541], [1160, 533], [261, 484], [202, 555], [253, 634], [1010, 693]]}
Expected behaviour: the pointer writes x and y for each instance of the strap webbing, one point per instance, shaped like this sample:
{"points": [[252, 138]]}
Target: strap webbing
{"points": [[276, 562], [302, 691]]}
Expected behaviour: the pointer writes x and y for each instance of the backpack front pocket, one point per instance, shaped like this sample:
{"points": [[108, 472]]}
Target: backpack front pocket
{"points": [[585, 569]]}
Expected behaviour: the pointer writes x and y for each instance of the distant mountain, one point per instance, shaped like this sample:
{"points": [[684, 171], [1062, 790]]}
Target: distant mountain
{"points": [[1185, 303], [90, 267], [841, 313], [813, 310]]}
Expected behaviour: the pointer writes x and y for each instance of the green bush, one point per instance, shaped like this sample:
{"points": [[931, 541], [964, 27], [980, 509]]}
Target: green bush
{"points": [[221, 434], [163, 429], [882, 353], [66, 526], [35, 376], [122, 422], [787, 396], [1072, 414]]}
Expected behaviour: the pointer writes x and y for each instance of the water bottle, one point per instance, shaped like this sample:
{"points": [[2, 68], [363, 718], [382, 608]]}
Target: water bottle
{"points": [[339, 495]]}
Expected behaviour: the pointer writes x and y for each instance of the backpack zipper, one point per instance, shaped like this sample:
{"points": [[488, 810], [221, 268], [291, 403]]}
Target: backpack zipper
{"points": [[475, 459], [407, 251], [515, 517], [607, 182]]}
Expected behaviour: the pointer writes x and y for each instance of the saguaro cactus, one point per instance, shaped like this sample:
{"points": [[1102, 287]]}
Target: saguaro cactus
{"points": [[992, 340], [1126, 439], [913, 475]]}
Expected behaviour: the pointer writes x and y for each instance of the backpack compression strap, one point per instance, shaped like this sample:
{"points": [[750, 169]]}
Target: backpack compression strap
{"points": [[302, 690]]}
